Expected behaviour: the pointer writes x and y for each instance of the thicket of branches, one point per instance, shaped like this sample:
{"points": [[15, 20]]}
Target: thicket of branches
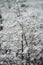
{"points": [[23, 56]]}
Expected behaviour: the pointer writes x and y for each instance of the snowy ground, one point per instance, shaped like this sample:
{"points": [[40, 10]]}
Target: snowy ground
{"points": [[30, 14]]}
